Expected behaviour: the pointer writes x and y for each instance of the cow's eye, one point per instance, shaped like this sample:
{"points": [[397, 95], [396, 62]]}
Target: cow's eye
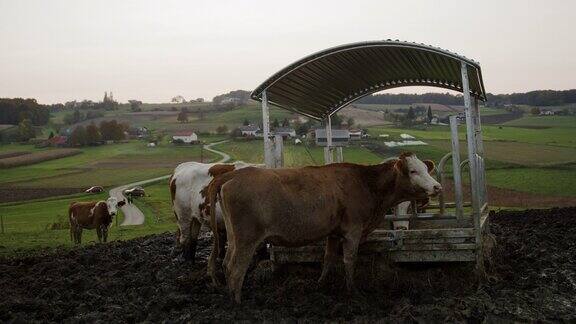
{"points": [[413, 172]]}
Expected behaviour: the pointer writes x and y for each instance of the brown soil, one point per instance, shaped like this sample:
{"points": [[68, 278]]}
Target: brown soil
{"points": [[512, 198], [533, 278], [37, 157], [20, 194]]}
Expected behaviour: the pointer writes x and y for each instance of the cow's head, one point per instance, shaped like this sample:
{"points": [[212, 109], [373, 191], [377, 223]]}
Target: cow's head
{"points": [[112, 204], [414, 179]]}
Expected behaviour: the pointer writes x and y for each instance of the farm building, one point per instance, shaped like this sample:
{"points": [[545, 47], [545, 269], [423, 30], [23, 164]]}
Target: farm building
{"points": [[355, 134], [249, 130], [187, 137], [453, 234], [340, 137], [285, 132]]}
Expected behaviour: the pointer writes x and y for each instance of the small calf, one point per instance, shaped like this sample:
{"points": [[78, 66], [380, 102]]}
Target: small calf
{"points": [[92, 215]]}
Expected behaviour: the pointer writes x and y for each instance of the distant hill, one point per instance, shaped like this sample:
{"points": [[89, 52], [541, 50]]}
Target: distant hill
{"points": [[532, 98]]}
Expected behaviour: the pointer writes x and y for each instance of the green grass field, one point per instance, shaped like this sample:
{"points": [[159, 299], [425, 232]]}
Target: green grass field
{"points": [[106, 165], [295, 155], [28, 224], [544, 122]]}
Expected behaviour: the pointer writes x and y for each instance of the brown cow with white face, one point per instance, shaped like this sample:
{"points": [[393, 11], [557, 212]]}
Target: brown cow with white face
{"points": [[295, 207], [92, 215]]}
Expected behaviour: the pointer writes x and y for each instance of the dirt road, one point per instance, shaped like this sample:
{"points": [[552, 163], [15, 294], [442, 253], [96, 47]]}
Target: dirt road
{"points": [[132, 214]]}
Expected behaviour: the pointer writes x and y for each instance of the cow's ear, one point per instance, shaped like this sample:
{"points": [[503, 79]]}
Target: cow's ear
{"points": [[430, 165], [401, 166]]}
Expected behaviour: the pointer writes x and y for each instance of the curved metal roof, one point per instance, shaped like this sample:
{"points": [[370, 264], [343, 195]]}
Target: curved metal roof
{"points": [[323, 83]]}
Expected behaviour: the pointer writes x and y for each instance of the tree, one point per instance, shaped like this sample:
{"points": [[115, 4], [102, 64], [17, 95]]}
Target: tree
{"points": [[350, 121], [222, 129], [183, 116], [25, 130], [336, 120], [285, 122], [430, 116], [135, 105], [112, 130], [275, 123], [246, 122], [92, 134], [236, 132], [535, 111], [411, 115], [79, 136], [77, 116]]}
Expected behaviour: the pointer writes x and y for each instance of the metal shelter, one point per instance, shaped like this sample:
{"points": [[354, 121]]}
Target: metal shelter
{"points": [[320, 84]]}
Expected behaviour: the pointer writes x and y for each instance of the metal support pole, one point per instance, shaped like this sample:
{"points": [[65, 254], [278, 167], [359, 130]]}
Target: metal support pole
{"points": [[478, 129], [458, 198], [480, 149], [328, 156], [471, 140], [278, 151], [266, 131]]}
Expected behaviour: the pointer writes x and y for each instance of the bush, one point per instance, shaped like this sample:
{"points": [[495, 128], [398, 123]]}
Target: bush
{"points": [[236, 132]]}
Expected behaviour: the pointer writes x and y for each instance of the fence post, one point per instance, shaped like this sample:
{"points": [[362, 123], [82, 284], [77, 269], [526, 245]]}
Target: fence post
{"points": [[278, 151], [328, 155], [266, 131]]}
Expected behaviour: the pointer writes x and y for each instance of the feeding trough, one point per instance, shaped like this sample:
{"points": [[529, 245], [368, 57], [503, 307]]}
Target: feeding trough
{"points": [[321, 84]]}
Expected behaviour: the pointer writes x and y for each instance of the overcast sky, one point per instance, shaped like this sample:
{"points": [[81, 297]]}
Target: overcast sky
{"points": [[61, 50]]}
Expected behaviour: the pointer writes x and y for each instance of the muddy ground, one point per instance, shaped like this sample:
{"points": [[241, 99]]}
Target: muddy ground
{"points": [[533, 277]]}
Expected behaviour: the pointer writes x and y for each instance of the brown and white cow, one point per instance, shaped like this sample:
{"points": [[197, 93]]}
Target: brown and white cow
{"points": [[188, 189], [92, 215], [294, 207]]}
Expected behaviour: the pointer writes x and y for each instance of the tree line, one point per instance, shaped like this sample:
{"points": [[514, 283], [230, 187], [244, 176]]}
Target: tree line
{"points": [[93, 135], [532, 98], [14, 111]]}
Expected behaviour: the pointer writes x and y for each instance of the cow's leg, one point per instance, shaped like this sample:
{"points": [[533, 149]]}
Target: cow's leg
{"points": [[239, 263], [185, 223], [222, 244], [220, 253], [330, 255], [105, 233], [350, 251], [192, 241], [79, 235], [99, 233]]}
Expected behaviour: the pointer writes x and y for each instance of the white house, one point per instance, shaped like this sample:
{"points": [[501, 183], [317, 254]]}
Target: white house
{"points": [[355, 134], [187, 137], [340, 137], [249, 130]]}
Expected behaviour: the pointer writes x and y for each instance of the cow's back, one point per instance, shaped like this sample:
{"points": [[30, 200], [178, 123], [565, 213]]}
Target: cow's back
{"points": [[188, 180], [80, 213], [311, 201]]}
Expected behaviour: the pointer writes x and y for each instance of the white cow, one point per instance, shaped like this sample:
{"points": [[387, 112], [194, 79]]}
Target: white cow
{"points": [[404, 208], [189, 201]]}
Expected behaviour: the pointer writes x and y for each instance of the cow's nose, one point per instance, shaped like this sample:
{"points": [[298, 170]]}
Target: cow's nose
{"points": [[437, 188]]}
